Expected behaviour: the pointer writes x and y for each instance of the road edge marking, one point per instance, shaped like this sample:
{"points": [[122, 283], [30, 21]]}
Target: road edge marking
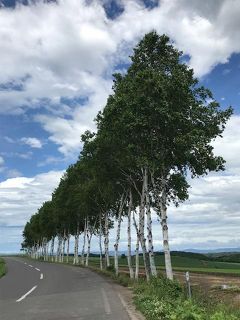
{"points": [[41, 276], [26, 294], [37, 269], [106, 302], [129, 312]]}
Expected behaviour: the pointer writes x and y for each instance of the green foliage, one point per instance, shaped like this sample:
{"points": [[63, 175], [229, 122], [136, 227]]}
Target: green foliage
{"points": [[187, 311], [161, 287], [223, 315], [165, 300]]}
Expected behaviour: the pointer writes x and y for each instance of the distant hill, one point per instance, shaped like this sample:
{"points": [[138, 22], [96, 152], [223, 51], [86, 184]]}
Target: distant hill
{"points": [[219, 250], [225, 256], [184, 254]]}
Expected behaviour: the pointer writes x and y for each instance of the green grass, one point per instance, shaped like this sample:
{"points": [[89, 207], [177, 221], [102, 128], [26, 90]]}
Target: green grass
{"points": [[2, 267], [167, 300], [181, 263]]}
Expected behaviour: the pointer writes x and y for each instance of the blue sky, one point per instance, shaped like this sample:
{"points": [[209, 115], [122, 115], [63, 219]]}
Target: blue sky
{"points": [[56, 62]]}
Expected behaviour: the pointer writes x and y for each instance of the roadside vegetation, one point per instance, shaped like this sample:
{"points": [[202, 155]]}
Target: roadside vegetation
{"points": [[167, 300], [2, 267], [157, 127]]}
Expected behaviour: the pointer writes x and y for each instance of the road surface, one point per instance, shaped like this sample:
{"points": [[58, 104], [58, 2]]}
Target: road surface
{"points": [[33, 290]]}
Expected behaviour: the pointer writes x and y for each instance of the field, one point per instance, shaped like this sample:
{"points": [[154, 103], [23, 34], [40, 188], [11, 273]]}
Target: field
{"points": [[2, 267], [184, 261]]}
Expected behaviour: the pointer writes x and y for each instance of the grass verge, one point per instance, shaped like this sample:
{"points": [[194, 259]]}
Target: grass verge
{"points": [[2, 267], [166, 300]]}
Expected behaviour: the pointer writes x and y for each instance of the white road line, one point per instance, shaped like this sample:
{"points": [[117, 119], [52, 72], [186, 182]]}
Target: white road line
{"points": [[106, 302], [130, 313], [30, 265], [37, 269], [26, 294], [41, 276], [25, 262]]}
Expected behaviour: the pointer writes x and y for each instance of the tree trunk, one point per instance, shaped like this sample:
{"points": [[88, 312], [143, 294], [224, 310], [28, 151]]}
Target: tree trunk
{"points": [[47, 250], [162, 206], [63, 246], [106, 242], [68, 242], [137, 249], [117, 244], [149, 227], [100, 241], [167, 255], [57, 258], [129, 257], [84, 242], [88, 243], [90, 231], [76, 258], [141, 233], [52, 249]]}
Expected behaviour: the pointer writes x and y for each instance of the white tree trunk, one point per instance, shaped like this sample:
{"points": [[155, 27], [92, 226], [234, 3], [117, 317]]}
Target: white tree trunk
{"points": [[129, 256], [90, 231], [100, 241], [88, 243], [63, 246], [149, 227], [162, 205], [68, 243], [141, 233], [106, 242], [58, 249], [117, 244], [52, 249], [167, 255], [137, 249], [84, 242], [47, 250], [76, 258]]}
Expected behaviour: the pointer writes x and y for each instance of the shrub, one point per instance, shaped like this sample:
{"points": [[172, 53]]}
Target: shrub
{"points": [[187, 311]]}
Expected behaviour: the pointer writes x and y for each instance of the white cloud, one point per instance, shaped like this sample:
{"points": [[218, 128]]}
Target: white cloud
{"points": [[72, 49], [32, 142], [20, 197], [229, 145], [70, 52]]}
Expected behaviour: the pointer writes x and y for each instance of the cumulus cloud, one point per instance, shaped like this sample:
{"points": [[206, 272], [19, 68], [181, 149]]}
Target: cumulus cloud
{"points": [[229, 145], [32, 142], [20, 197], [62, 69], [72, 48]]}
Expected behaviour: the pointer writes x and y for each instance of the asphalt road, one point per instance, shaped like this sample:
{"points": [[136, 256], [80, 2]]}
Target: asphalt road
{"points": [[33, 290]]}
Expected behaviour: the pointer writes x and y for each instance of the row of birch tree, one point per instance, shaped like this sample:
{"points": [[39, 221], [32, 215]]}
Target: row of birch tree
{"points": [[152, 137]]}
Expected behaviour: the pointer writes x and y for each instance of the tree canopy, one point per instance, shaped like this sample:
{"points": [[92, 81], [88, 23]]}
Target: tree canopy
{"points": [[156, 130]]}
